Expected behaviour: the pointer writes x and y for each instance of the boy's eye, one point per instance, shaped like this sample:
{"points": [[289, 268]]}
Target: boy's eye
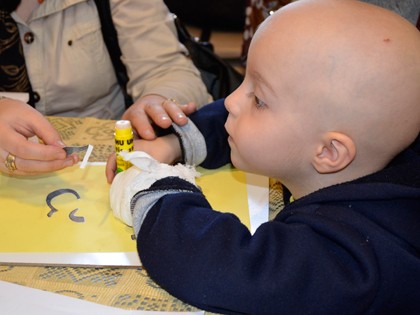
{"points": [[259, 103]]}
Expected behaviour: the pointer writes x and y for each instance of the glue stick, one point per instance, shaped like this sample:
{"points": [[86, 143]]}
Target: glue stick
{"points": [[123, 142]]}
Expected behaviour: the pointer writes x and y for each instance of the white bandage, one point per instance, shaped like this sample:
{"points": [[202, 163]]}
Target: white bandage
{"points": [[144, 172]]}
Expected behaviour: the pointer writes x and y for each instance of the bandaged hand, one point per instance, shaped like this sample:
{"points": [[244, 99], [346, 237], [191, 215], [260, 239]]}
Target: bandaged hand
{"points": [[144, 172]]}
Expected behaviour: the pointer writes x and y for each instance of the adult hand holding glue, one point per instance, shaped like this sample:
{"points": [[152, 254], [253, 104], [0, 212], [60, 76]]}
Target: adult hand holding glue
{"points": [[124, 142]]}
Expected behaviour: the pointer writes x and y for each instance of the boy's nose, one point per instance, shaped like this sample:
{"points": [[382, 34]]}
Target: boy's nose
{"points": [[231, 102]]}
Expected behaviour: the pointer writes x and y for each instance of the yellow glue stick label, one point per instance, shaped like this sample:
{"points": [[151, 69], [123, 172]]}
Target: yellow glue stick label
{"points": [[124, 141]]}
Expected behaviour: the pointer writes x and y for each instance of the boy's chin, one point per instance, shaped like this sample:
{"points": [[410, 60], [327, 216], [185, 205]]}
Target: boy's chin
{"points": [[237, 163], [233, 160]]}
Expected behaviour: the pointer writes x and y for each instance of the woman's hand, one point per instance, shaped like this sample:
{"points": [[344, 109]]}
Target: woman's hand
{"points": [[166, 149], [18, 155], [158, 110]]}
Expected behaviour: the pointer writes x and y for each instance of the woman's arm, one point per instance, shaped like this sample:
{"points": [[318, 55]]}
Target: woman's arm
{"points": [[157, 65]]}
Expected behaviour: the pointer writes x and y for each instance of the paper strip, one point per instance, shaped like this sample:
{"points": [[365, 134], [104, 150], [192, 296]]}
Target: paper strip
{"points": [[86, 158]]}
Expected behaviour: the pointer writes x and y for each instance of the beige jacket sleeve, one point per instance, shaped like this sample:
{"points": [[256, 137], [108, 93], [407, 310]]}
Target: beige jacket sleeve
{"points": [[155, 60]]}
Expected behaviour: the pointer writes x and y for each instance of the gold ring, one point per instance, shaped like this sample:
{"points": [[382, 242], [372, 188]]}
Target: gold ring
{"points": [[170, 100], [10, 162]]}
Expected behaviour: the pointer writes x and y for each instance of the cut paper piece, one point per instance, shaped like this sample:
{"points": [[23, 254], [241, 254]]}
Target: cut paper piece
{"points": [[75, 149], [19, 300], [86, 157]]}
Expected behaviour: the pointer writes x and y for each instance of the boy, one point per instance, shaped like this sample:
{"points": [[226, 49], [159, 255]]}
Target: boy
{"points": [[330, 107]]}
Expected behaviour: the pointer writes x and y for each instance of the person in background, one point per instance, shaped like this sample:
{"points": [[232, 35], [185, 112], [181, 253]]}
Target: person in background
{"points": [[408, 9], [258, 10], [66, 68], [330, 107]]}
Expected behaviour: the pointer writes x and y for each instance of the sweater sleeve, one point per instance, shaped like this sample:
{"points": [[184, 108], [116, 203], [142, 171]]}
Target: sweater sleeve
{"points": [[204, 139], [209, 259], [210, 121]]}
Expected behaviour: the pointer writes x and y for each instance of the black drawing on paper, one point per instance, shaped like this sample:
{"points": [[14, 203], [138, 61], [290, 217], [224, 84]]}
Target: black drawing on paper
{"points": [[58, 192]]}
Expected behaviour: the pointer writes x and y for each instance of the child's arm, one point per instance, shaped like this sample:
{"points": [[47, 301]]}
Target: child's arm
{"points": [[210, 260], [210, 120], [137, 181]]}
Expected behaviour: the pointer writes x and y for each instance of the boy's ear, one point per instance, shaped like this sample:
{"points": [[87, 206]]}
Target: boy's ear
{"points": [[334, 153]]}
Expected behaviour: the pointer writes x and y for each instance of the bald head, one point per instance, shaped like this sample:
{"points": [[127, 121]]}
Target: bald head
{"points": [[350, 66]]}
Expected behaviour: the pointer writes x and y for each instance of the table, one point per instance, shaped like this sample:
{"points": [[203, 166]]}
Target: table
{"points": [[127, 288]]}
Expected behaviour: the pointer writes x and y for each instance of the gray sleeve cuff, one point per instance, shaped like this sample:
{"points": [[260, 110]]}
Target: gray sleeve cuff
{"points": [[192, 142], [140, 209]]}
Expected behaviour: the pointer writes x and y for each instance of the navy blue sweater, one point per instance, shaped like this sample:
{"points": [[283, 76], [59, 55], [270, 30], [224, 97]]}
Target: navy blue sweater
{"points": [[353, 248]]}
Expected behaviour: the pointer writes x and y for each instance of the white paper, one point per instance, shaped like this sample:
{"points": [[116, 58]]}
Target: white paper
{"points": [[117, 259], [19, 300], [87, 155], [258, 199]]}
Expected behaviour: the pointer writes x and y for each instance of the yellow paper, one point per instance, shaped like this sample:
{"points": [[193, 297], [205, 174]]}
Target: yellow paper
{"points": [[27, 228], [225, 189]]}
